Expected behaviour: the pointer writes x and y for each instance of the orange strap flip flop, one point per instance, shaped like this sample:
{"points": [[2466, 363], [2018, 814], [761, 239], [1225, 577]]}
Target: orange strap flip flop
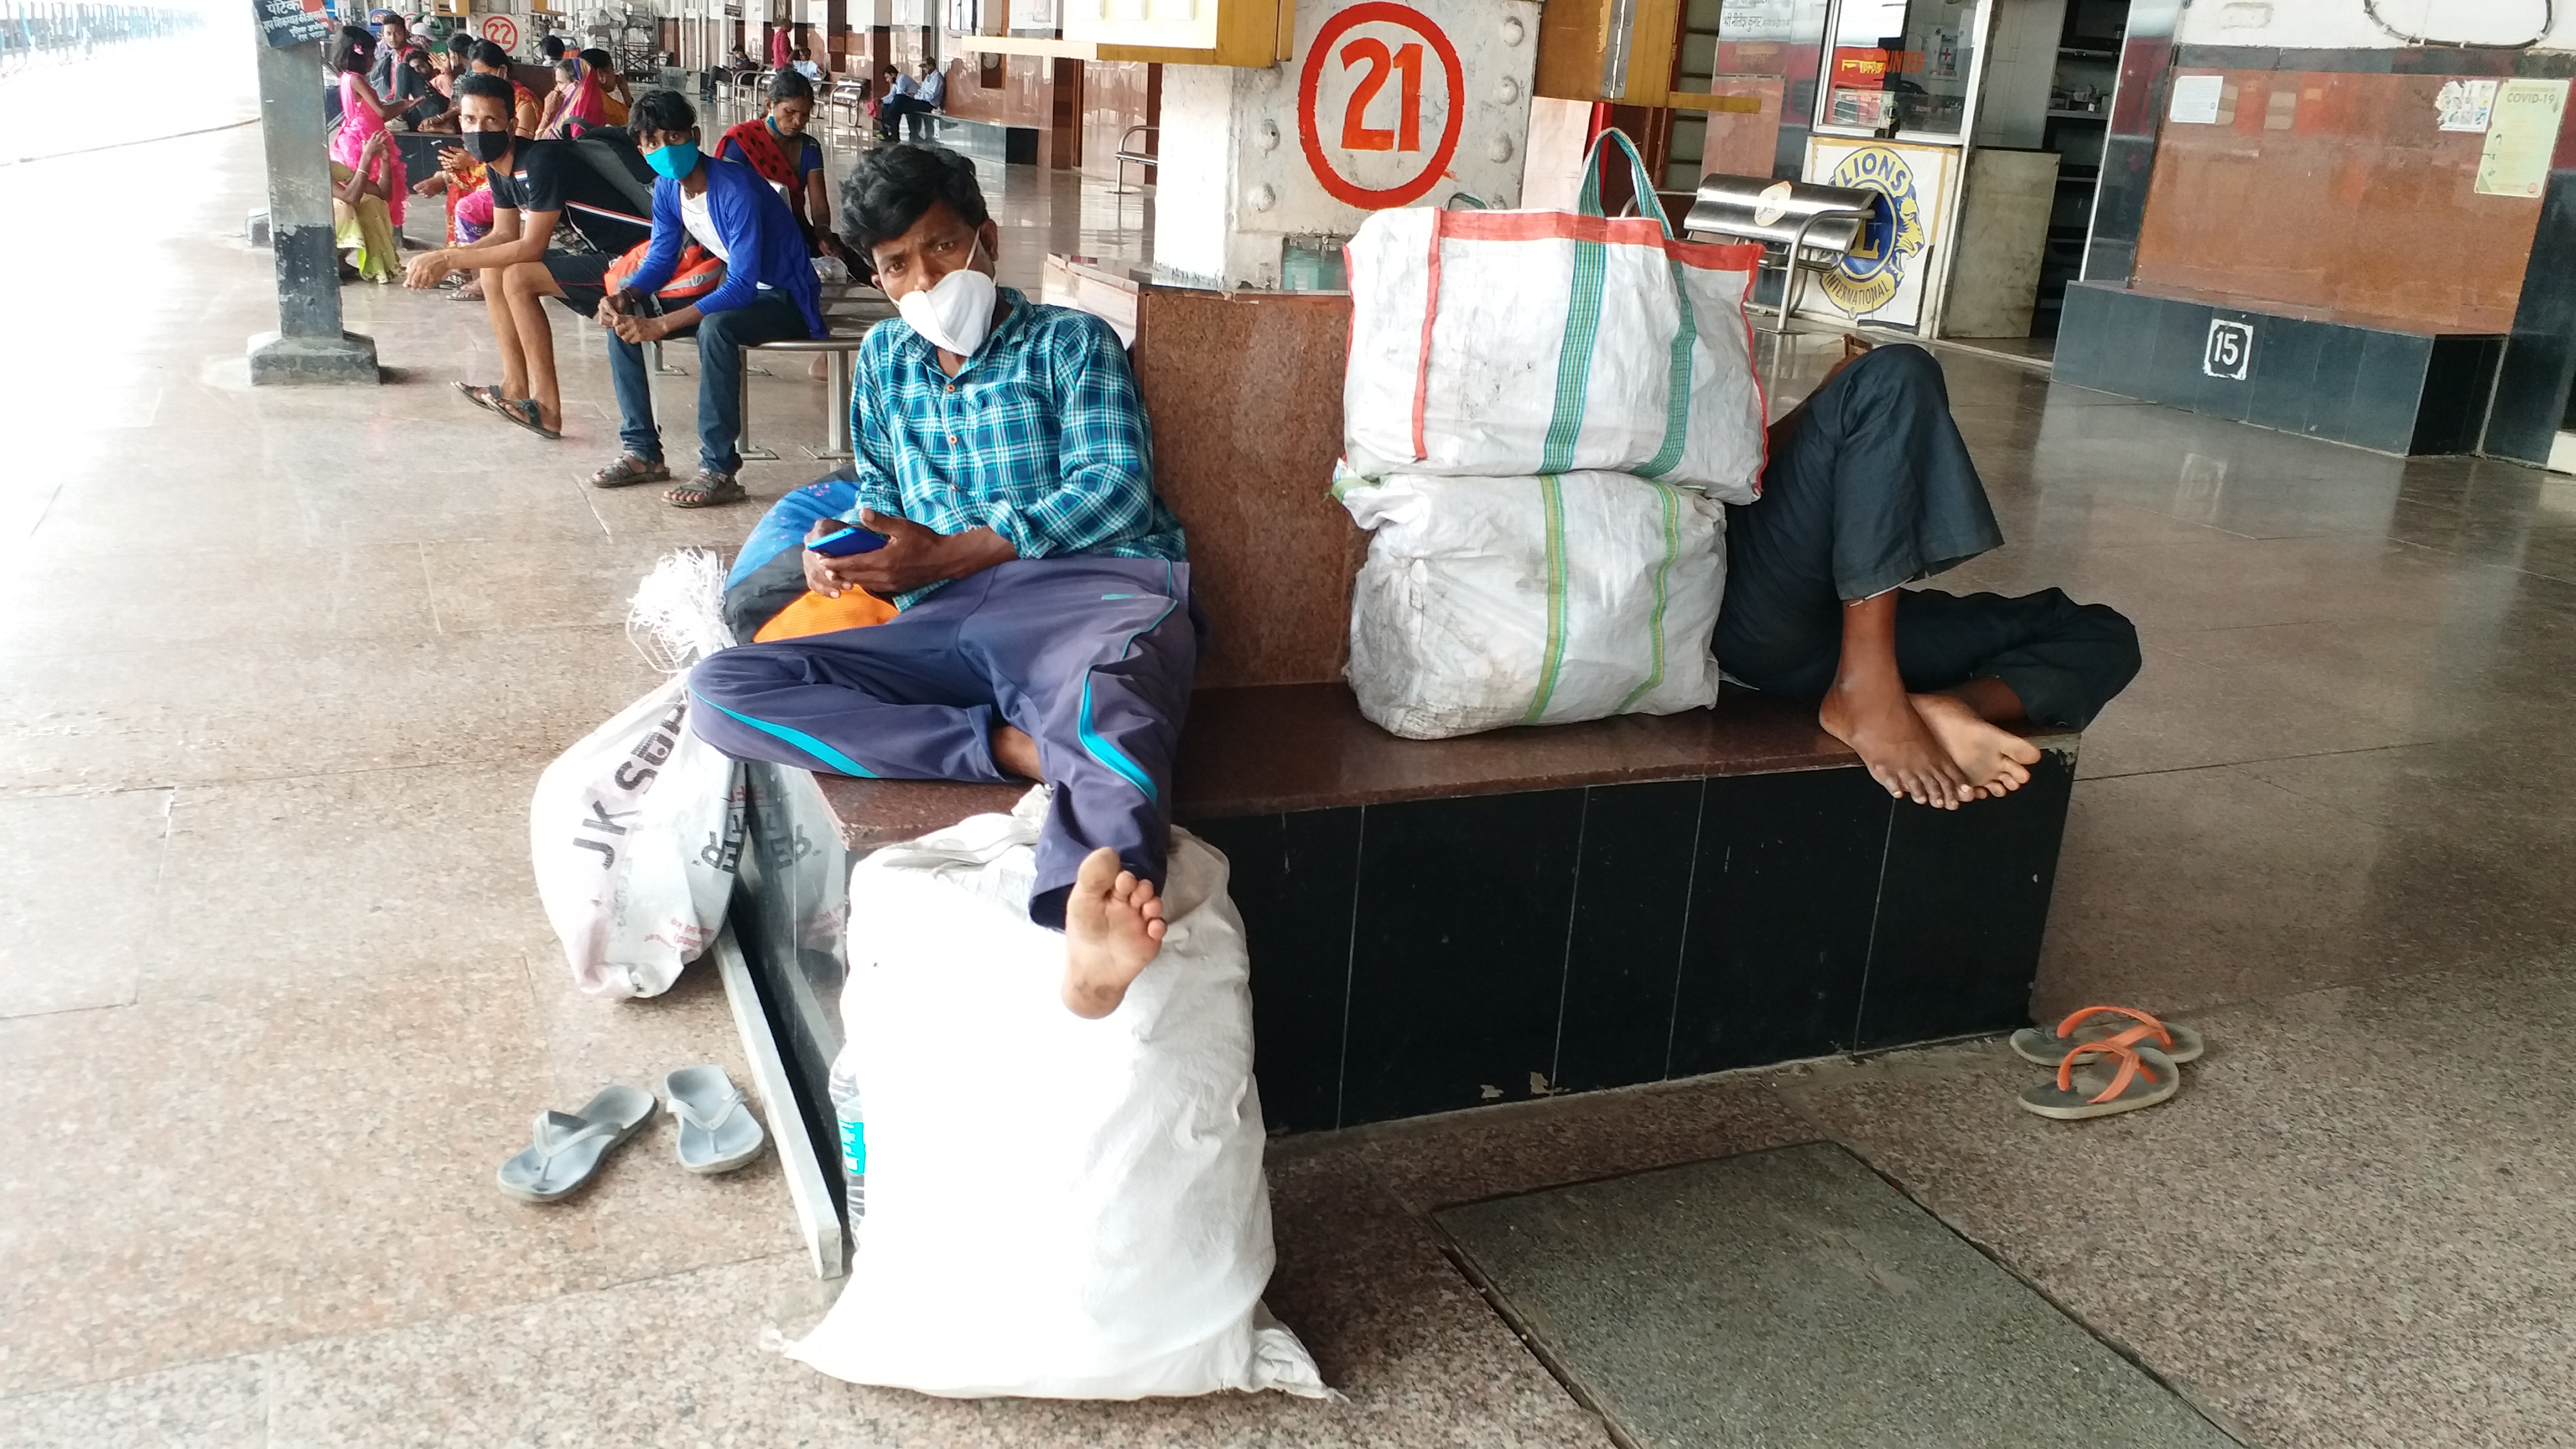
{"points": [[2100, 1078], [2180, 1043]]}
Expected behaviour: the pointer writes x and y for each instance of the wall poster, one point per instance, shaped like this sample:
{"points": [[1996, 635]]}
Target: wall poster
{"points": [[2520, 137]]}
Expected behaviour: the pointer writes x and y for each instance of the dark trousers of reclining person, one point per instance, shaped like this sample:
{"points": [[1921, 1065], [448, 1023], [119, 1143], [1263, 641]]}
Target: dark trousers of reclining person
{"points": [[1869, 488]]}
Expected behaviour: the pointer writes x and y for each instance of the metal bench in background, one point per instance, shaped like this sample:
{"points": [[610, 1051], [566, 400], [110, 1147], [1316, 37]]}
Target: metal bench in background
{"points": [[1127, 153], [1801, 227]]}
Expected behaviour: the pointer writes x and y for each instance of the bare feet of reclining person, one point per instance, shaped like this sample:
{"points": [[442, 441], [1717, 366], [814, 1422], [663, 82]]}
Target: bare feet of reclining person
{"points": [[1113, 927], [1941, 749], [1895, 743], [1995, 760]]}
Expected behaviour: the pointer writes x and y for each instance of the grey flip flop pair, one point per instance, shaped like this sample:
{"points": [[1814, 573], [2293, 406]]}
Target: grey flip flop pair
{"points": [[718, 1133], [2105, 1066]]}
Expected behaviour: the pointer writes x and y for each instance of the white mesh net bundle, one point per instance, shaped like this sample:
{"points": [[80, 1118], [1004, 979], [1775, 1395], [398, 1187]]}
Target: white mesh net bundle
{"points": [[677, 615]]}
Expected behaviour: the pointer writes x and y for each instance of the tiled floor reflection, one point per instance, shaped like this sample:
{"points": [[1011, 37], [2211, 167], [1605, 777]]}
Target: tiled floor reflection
{"points": [[278, 668]]}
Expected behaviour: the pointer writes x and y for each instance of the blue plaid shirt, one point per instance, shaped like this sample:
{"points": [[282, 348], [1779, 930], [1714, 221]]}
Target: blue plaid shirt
{"points": [[1040, 437]]}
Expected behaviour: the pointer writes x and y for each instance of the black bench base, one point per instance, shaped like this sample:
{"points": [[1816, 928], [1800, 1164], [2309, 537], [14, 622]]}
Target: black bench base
{"points": [[1521, 914], [1429, 955], [2345, 379]]}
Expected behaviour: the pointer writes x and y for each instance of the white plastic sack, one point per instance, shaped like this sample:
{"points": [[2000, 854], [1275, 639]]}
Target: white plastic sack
{"points": [[1504, 343], [1056, 1208], [1503, 601], [635, 832]]}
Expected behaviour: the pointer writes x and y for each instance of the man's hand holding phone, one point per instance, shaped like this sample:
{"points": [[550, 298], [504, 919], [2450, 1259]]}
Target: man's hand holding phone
{"points": [[839, 557]]}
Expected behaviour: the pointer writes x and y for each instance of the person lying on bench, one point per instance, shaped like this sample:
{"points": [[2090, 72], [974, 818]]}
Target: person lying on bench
{"points": [[1870, 487], [532, 184], [768, 295], [1046, 628]]}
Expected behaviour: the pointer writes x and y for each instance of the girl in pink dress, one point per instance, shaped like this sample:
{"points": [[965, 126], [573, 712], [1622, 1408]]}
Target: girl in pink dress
{"points": [[362, 114]]}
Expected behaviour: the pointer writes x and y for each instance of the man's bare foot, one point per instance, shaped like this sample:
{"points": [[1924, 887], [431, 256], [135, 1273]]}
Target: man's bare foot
{"points": [[1113, 926], [1994, 759], [1897, 745], [1016, 753]]}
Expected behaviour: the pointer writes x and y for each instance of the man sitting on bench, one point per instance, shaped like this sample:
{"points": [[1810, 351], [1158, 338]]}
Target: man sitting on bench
{"points": [[533, 183], [1870, 487], [768, 295], [1046, 628]]}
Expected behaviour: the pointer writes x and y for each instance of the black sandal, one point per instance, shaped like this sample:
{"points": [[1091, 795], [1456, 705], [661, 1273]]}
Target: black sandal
{"points": [[481, 397], [706, 490], [523, 411], [628, 471]]}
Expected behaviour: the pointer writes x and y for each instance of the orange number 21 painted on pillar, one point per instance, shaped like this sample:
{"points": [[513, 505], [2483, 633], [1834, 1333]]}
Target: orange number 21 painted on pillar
{"points": [[1372, 52]]}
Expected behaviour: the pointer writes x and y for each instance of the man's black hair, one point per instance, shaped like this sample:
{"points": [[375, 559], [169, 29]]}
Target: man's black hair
{"points": [[486, 53], [553, 46], [461, 45], [890, 189], [395, 19], [489, 87], [790, 85], [598, 59], [661, 111]]}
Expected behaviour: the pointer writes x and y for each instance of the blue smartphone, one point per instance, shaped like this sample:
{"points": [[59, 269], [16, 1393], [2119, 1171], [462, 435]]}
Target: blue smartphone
{"points": [[851, 539]]}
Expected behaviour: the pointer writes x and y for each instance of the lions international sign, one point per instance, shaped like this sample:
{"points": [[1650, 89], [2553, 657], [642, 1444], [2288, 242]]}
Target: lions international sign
{"points": [[1886, 276]]}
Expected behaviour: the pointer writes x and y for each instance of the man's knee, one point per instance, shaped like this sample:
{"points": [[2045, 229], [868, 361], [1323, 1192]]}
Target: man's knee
{"points": [[728, 677], [1899, 367], [2121, 657], [527, 279], [720, 329], [2105, 632]]}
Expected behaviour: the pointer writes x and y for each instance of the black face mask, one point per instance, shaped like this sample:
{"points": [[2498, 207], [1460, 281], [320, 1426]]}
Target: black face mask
{"points": [[488, 146]]}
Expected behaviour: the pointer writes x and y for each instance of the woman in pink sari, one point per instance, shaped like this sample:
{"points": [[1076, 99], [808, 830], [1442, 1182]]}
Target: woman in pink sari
{"points": [[363, 114], [577, 105]]}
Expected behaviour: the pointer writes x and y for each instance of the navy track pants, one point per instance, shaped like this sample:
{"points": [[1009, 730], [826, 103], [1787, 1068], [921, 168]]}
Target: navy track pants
{"points": [[1091, 656]]}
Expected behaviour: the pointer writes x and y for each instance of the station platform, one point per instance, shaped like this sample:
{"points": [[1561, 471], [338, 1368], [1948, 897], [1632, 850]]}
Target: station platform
{"points": [[276, 996]]}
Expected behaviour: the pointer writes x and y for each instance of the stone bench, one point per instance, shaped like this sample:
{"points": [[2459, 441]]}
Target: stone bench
{"points": [[2375, 382], [1436, 925]]}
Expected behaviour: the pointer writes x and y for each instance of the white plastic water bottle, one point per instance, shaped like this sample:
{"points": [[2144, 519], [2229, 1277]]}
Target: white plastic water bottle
{"points": [[844, 1087]]}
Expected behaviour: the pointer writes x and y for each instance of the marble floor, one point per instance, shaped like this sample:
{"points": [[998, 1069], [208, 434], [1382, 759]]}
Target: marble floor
{"points": [[280, 667]]}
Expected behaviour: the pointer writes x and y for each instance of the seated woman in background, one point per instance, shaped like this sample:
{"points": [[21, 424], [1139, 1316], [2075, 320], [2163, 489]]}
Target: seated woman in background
{"points": [[431, 109], [526, 114], [576, 105], [469, 208], [362, 224], [363, 115], [613, 94], [776, 146]]}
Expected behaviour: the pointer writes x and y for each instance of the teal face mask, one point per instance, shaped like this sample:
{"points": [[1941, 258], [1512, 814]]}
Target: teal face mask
{"points": [[674, 161]]}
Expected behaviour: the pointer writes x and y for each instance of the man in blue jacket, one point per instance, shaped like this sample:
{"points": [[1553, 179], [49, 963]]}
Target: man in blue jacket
{"points": [[768, 295]]}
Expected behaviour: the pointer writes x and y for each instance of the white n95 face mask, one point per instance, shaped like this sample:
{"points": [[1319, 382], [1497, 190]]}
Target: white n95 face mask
{"points": [[956, 312]]}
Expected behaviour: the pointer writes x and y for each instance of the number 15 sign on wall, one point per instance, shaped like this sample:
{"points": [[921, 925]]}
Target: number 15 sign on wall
{"points": [[1379, 105]]}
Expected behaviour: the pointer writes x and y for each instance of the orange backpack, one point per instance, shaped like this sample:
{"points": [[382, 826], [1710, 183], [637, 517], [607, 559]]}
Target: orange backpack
{"points": [[695, 275]]}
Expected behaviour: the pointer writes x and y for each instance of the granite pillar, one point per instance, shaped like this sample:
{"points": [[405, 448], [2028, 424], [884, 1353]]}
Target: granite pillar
{"points": [[308, 345]]}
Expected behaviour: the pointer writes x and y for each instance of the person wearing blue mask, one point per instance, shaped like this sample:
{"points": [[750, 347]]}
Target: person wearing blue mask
{"points": [[769, 294], [1004, 483]]}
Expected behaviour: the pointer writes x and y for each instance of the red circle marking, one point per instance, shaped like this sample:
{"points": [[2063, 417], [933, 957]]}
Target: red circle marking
{"points": [[497, 26], [1338, 186]]}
